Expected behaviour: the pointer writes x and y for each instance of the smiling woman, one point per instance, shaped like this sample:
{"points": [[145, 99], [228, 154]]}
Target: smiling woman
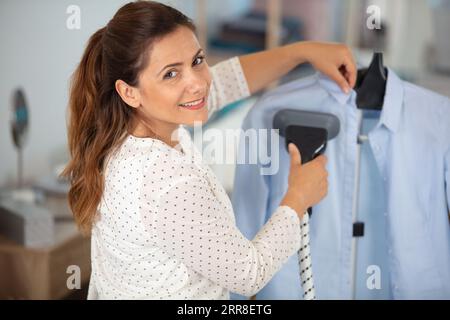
{"points": [[161, 225], [168, 94], [115, 91]]}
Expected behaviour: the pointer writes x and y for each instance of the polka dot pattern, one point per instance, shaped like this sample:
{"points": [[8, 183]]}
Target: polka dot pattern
{"points": [[166, 228], [228, 85]]}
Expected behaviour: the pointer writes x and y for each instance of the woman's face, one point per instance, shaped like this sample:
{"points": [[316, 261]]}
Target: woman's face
{"points": [[174, 87]]}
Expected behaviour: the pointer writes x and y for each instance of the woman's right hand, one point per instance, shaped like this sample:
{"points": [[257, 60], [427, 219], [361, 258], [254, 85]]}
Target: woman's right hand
{"points": [[308, 183]]}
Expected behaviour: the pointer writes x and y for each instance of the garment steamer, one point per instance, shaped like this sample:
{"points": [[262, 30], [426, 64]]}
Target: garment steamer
{"points": [[309, 131]]}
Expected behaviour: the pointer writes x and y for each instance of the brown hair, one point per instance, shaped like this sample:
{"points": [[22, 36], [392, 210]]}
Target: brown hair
{"points": [[98, 117]]}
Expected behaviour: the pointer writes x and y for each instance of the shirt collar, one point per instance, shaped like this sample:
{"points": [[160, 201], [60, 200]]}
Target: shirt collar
{"points": [[334, 90], [393, 98], [393, 102]]}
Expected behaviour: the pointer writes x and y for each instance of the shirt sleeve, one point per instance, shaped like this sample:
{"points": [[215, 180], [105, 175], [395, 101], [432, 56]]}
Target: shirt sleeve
{"points": [[193, 225], [228, 84]]}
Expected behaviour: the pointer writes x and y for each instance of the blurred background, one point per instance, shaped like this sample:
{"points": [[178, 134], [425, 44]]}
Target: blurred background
{"points": [[42, 255]]}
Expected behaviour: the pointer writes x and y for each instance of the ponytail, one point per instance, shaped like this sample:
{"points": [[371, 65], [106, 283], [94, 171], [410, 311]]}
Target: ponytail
{"points": [[89, 136]]}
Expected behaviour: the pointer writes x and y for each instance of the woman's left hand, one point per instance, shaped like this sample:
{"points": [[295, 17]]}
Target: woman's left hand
{"points": [[334, 60]]}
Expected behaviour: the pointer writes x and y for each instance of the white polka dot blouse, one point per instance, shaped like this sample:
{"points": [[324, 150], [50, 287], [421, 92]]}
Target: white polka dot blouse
{"points": [[165, 227]]}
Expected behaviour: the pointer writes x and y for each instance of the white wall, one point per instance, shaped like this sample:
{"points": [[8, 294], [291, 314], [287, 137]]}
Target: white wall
{"points": [[409, 24], [411, 32], [39, 53]]}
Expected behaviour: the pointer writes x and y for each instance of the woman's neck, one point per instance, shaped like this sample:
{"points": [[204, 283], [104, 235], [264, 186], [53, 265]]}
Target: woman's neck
{"points": [[164, 132]]}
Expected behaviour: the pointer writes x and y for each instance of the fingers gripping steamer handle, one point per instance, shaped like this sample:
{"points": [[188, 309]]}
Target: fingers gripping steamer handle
{"points": [[311, 142], [309, 131]]}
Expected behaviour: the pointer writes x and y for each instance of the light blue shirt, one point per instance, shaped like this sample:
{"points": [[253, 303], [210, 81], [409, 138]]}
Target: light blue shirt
{"points": [[404, 193]]}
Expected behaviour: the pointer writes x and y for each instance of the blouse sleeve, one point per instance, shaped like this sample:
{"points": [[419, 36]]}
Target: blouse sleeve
{"points": [[193, 225], [228, 84]]}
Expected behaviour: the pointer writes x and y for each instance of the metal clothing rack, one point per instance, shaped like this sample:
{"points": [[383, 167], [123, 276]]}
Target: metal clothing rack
{"points": [[359, 231]]}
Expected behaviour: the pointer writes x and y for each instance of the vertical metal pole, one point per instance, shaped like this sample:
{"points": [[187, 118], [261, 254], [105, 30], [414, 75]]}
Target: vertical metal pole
{"points": [[273, 27], [20, 167], [355, 204], [202, 24]]}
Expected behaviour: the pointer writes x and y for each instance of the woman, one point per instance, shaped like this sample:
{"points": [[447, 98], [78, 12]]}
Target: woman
{"points": [[161, 225]]}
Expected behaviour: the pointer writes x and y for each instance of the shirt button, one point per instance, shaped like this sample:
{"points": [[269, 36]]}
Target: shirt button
{"points": [[390, 251], [385, 214]]}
